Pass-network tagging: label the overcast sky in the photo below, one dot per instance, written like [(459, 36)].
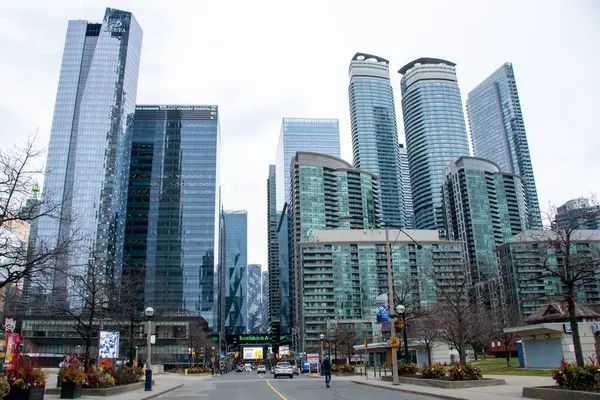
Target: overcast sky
[(260, 61)]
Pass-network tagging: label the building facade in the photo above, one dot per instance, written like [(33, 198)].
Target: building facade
[(319, 135), (90, 144), (172, 232), (578, 213), (236, 244), (284, 238), (406, 188), (498, 132), (375, 133), (525, 265), (274, 301), (436, 135), (328, 193), (253, 298), (264, 301), (484, 208), (344, 273)]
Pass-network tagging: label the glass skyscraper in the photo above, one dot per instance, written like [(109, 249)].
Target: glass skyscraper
[(172, 231), (90, 144), (236, 261), (578, 213), (273, 247), (436, 135), (406, 189), (254, 299), (319, 135), (498, 132), (484, 208), (375, 133)]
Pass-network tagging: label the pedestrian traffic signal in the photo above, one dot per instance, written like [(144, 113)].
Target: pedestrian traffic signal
[(236, 354)]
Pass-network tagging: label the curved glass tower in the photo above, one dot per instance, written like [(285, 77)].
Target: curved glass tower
[(375, 133), (436, 135)]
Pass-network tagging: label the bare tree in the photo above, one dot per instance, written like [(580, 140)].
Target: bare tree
[(200, 341), (20, 208), (426, 330), (128, 306), (333, 340), (346, 340), (567, 256)]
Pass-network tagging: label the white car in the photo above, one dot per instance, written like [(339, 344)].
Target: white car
[(261, 369), (283, 369), (295, 370)]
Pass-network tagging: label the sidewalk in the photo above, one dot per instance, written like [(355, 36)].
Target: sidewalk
[(164, 383), (512, 390)]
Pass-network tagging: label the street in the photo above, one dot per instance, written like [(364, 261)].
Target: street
[(252, 386)]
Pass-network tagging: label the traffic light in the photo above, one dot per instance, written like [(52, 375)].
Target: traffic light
[(236, 355)]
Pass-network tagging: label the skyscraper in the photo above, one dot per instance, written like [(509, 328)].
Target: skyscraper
[(273, 300), (484, 208), (578, 213), (236, 227), (90, 143), (375, 133), (498, 132), (328, 193), (264, 302), (319, 135), (436, 135), (406, 189), (172, 231), (253, 298)]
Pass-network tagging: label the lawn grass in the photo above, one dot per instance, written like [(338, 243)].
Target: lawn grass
[(497, 366)]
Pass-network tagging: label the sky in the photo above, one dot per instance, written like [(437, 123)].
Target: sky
[(260, 61)]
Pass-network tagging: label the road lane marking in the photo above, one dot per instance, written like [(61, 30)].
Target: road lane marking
[(275, 390)]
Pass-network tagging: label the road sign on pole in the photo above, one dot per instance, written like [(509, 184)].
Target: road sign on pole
[(394, 342)]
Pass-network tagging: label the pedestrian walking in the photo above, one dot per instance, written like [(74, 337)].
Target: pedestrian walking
[(326, 369)]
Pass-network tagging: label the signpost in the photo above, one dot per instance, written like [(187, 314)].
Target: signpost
[(394, 342)]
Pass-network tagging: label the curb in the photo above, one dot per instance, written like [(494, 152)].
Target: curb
[(163, 392), (439, 396)]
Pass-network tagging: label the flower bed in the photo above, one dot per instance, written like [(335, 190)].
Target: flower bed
[(199, 370), (343, 369), (464, 372), (408, 368), (435, 371), (445, 383), (570, 376)]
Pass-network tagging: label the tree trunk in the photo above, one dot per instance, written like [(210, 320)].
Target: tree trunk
[(428, 347), (131, 340), (461, 351), (575, 329), (507, 354)]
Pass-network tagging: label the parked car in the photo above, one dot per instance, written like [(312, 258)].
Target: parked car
[(295, 370), (261, 369), (239, 368), (283, 369)]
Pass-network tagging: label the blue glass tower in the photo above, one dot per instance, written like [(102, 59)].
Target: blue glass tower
[(319, 135), (498, 132), (236, 260), (90, 143), (436, 135), (172, 231), (375, 133)]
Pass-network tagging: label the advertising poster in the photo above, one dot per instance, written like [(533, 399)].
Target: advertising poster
[(109, 345), (12, 340), (253, 353), (283, 350)]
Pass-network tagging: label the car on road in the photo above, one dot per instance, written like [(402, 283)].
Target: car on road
[(261, 369), (283, 369), (295, 370), (239, 368), (248, 367)]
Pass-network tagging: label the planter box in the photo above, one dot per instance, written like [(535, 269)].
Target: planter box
[(554, 393), (33, 393), (343, 373), (70, 390), (439, 383), (104, 392)]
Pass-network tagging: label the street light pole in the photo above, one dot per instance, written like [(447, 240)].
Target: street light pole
[(391, 308), (149, 311), (402, 312)]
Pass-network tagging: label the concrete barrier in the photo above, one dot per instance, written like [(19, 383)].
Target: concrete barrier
[(554, 393), (444, 384)]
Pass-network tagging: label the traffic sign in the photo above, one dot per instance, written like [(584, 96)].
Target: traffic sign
[(394, 341)]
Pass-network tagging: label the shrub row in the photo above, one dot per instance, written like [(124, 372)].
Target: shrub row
[(456, 372), (198, 370), (343, 368), (572, 377)]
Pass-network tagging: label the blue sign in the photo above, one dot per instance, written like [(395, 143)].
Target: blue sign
[(383, 316)]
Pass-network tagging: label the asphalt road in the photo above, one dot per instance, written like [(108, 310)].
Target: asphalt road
[(251, 386)]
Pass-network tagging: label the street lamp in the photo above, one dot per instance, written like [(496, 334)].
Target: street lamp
[(78, 351), (212, 360), (401, 311), (322, 338), (136, 354), (149, 312)]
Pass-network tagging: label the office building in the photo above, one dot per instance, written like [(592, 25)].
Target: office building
[(434, 126), (319, 135), (236, 244), (344, 272), (264, 301), (253, 298), (284, 238), (525, 263), (90, 144), (172, 233), (484, 208), (498, 132), (578, 213), (274, 302), (375, 133), (328, 193)]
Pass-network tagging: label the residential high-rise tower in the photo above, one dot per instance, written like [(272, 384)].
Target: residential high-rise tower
[(273, 248), (436, 135), (498, 132), (236, 244), (375, 133), (90, 144)]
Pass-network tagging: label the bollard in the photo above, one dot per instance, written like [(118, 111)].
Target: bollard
[(148, 383), (185, 372)]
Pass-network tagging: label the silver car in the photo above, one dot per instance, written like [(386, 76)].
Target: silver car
[(283, 369)]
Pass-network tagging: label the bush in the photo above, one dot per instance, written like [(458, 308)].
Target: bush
[(97, 378), (572, 377), (435, 371), (409, 368), (464, 372), (73, 372), (347, 368), (198, 370)]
